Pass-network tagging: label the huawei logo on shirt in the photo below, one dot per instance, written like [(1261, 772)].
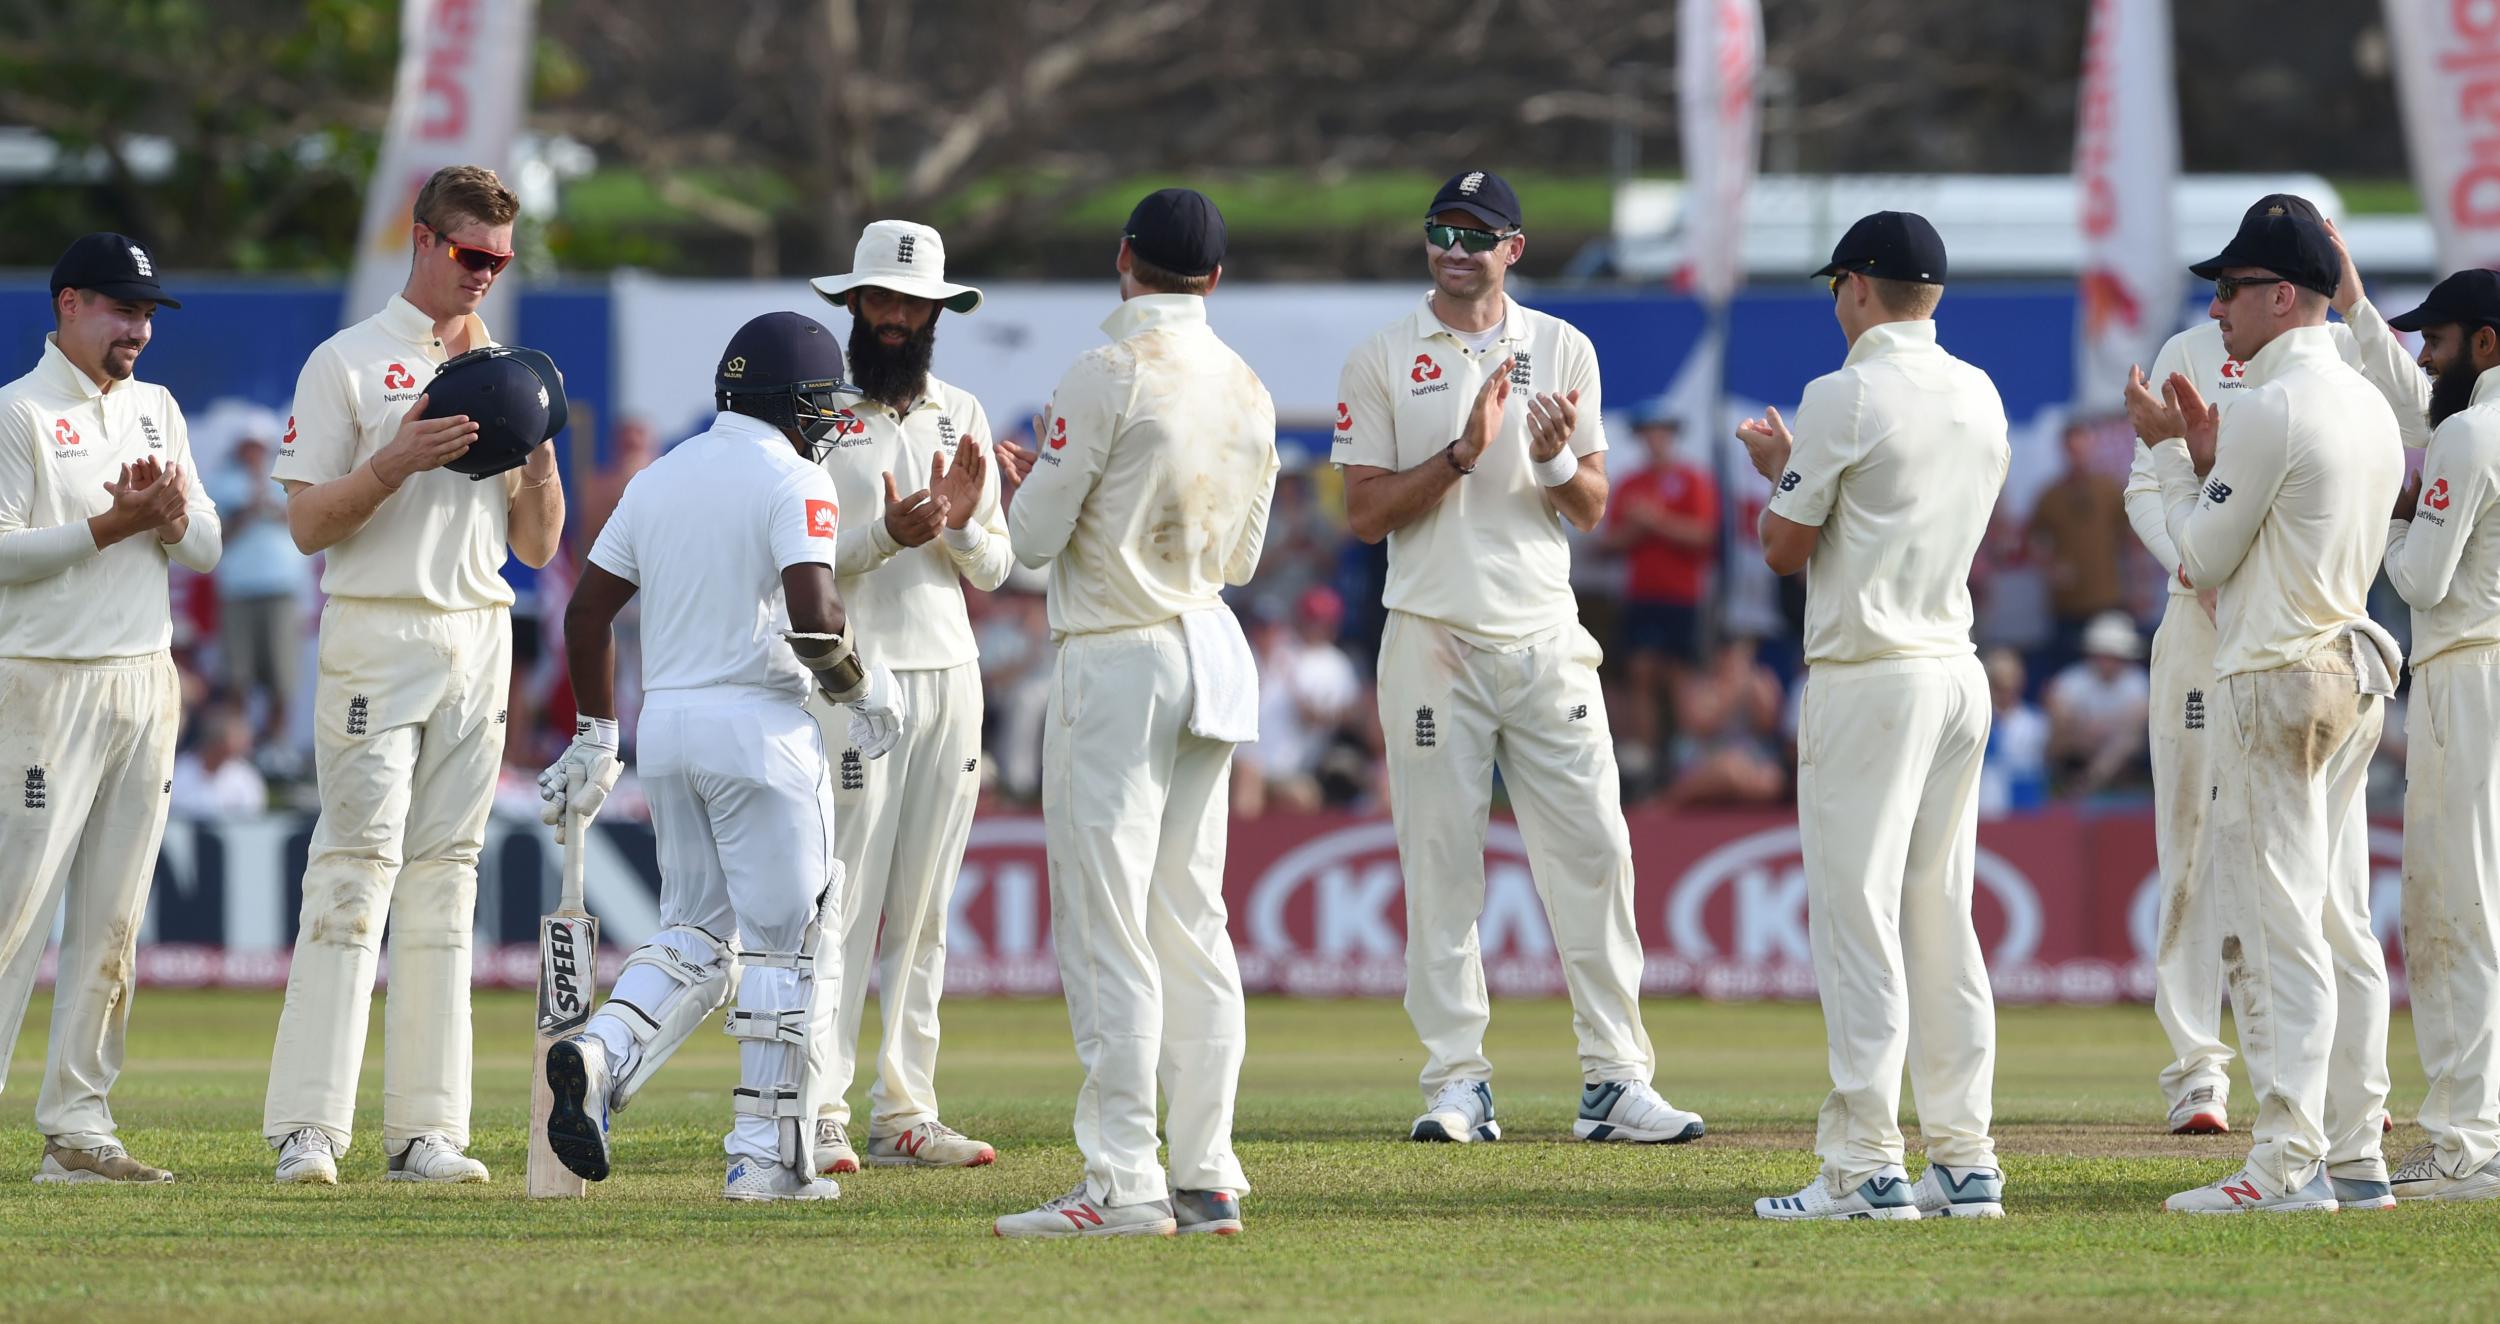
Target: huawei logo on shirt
[(822, 519)]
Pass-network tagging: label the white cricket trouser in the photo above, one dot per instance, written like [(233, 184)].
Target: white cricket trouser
[(900, 826), (2187, 957), (2286, 860), (87, 749), (2452, 900), (743, 817), (1135, 809), (1451, 714), (1888, 762), (408, 735)]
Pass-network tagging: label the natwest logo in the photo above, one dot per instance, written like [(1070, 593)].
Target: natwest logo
[(63, 433), (398, 378), (2231, 369), (1345, 418), (1425, 370), (2437, 497), (1058, 434)]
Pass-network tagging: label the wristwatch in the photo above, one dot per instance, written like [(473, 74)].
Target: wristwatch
[(1450, 453)]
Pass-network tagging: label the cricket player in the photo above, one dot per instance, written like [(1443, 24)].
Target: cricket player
[(1882, 495), (415, 662), (730, 538), (1469, 433), (2288, 529), (2187, 964), (2443, 556), (1149, 494), (902, 821), (97, 493)]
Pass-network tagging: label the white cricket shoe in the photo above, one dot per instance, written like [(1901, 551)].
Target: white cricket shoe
[(108, 1163), (753, 1179), (577, 1110), (2200, 1112), (931, 1144), (1885, 1195), (431, 1158), (2419, 1177), (1078, 1214), (1633, 1112), (1215, 1213), (307, 1158), (1462, 1113), (1944, 1192), (2242, 1193), (2353, 1193), (833, 1147)]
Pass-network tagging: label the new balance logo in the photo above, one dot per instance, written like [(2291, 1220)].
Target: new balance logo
[(910, 1141), (972, 765), (1426, 734), (1788, 481), (2243, 1192), (2196, 710), (2217, 491), (1082, 1215), (359, 710), (854, 774), (1578, 712), (34, 788)]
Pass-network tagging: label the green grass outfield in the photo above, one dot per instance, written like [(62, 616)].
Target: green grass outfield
[(1347, 1221)]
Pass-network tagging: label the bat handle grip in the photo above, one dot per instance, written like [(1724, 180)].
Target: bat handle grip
[(574, 867)]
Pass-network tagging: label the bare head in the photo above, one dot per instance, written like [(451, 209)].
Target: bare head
[(461, 240)]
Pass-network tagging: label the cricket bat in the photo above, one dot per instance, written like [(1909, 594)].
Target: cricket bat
[(568, 971)]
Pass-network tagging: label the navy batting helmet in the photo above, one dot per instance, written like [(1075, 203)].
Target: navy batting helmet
[(514, 395), (786, 369)]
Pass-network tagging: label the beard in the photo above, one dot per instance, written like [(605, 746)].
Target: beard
[(2452, 389), (891, 375)]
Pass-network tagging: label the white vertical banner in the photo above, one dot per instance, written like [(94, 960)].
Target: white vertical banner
[(2448, 85), (1718, 78), (463, 85), (2126, 171)]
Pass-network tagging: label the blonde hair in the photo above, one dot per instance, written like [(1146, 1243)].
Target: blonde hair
[(1907, 298), (461, 193)]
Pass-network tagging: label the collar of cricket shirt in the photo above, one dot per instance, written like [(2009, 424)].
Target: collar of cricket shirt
[(64, 376), (409, 323), (728, 424), (2486, 386), (1429, 324), (1148, 312), (2293, 346), (1892, 338)]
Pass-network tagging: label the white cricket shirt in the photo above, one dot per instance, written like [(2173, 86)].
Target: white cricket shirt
[(1899, 457), (906, 604), (1149, 492), (2291, 523), (442, 537), (1490, 562), (2364, 340), (2445, 561), (62, 438), (705, 533)]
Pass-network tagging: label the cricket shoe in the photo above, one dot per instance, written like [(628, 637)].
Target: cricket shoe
[(1216, 1213), (1078, 1214), (431, 1158), (2361, 1193), (931, 1144), (2241, 1193), (108, 1163), (1632, 1112), (756, 1180), (307, 1158), (1944, 1192), (2419, 1178), (833, 1147), (1884, 1195), (2200, 1112), (1462, 1113), (577, 1133)]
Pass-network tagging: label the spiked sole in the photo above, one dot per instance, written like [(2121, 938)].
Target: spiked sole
[(577, 1139), (1588, 1129)]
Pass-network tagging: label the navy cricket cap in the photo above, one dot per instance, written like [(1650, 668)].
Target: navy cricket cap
[(779, 351), (2283, 204), (1482, 194), (1177, 229), (1894, 245), (2469, 298), (113, 265), (2292, 247)]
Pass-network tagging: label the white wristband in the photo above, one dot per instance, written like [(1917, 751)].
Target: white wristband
[(965, 539), (1559, 470), (600, 731)]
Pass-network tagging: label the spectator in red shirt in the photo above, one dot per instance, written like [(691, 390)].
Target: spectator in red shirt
[(1664, 521)]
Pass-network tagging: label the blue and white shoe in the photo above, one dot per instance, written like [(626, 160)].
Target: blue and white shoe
[(2241, 1193), (1884, 1195), (2361, 1193), (1632, 1112), (1462, 1113), (577, 1133), (1944, 1192)]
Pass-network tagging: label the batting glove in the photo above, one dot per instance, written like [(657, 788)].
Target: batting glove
[(877, 717), (575, 785)]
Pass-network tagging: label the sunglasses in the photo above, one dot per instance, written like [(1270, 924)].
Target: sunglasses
[(2227, 288), (485, 261), (1460, 236)]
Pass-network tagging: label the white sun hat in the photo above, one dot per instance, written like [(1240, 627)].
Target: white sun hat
[(2111, 634), (905, 257)]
